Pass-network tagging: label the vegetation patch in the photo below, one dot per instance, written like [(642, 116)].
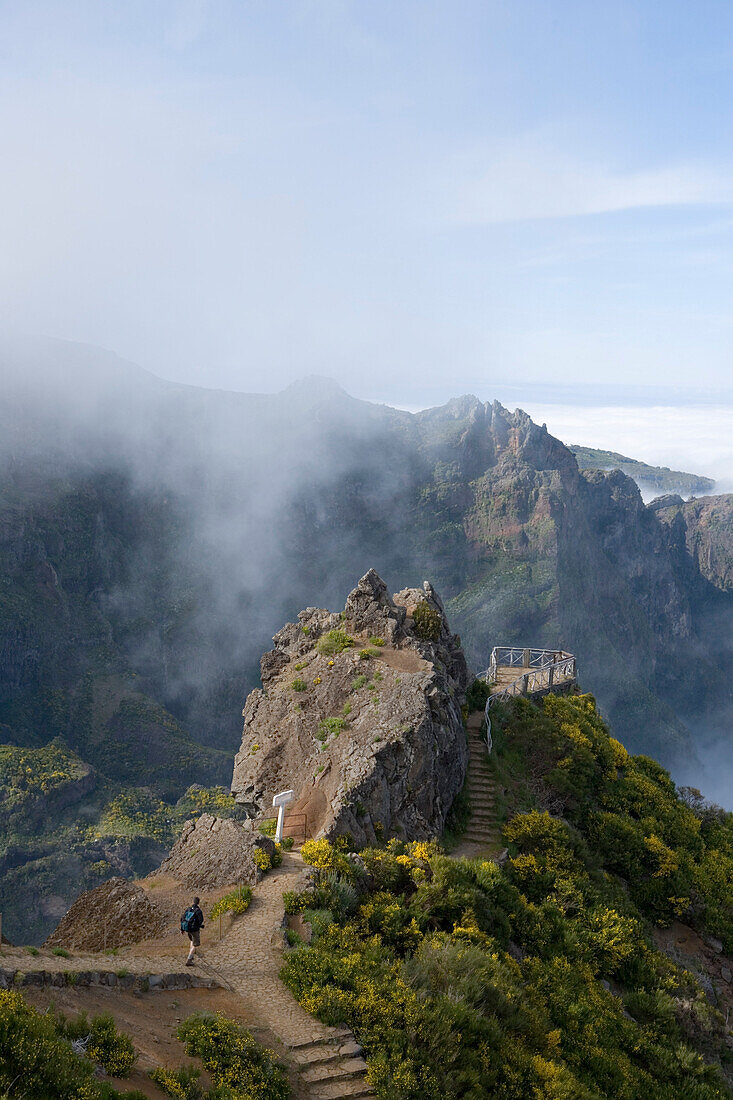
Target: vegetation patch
[(427, 622), (238, 901), (536, 979), (333, 642), (38, 1062), (477, 695), (262, 860), (299, 685), (240, 1069), (330, 727)]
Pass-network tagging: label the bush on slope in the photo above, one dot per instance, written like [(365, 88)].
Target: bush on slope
[(463, 979)]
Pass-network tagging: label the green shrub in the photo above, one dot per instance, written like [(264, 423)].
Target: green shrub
[(61, 952), (106, 1046), (268, 826), (335, 641), (232, 1058), (181, 1083), (330, 727), (319, 920), (111, 1048), (287, 843), (299, 685), (277, 856), (477, 695), (35, 1061), (294, 902), (427, 622), (358, 682), (236, 902), (379, 642)]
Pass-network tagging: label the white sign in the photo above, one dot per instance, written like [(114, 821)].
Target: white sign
[(283, 799)]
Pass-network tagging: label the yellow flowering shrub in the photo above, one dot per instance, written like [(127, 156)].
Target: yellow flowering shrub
[(465, 980), (666, 860), (322, 854), (620, 755), (236, 902), (261, 859), (236, 1063)]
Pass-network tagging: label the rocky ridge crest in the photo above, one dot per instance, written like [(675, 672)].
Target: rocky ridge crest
[(360, 714)]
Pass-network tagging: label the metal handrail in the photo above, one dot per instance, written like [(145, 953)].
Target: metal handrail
[(545, 670)]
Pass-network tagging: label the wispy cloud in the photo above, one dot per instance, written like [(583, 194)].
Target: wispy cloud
[(529, 180)]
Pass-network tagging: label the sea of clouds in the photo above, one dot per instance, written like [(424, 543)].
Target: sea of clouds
[(694, 438)]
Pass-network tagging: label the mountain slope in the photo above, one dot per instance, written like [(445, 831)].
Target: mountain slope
[(154, 536)]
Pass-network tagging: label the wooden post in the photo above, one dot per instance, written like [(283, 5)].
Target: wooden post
[(526, 658), (525, 684), (550, 675)]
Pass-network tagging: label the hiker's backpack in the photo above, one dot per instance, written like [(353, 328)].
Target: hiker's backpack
[(189, 921)]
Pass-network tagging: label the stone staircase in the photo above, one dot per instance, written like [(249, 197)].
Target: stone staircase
[(484, 829), (332, 1068)]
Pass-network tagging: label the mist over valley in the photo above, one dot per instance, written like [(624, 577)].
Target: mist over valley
[(154, 537)]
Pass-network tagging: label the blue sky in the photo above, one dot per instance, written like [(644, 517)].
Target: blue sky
[(417, 198)]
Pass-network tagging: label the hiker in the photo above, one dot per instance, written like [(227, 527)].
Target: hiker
[(192, 922)]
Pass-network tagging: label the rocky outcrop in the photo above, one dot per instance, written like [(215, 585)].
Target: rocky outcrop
[(213, 852), (360, 714), (114, 914), (706, 528)]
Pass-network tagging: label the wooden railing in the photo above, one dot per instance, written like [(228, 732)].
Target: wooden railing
[(539, 671)]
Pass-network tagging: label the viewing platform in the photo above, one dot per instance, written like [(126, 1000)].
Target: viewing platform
[(529, 672)]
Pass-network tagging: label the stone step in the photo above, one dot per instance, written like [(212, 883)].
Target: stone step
[(339, 1090), (334, 1071), (339, 1035), (320, 1055)]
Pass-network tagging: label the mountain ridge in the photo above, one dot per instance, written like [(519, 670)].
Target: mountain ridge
[(164, 546)]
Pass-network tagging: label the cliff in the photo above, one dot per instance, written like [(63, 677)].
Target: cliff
[(706, 526), (360, 715)]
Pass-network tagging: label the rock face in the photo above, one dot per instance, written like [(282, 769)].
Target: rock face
[(114, 914), (705, 528), (213, 852), (360, 714)]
